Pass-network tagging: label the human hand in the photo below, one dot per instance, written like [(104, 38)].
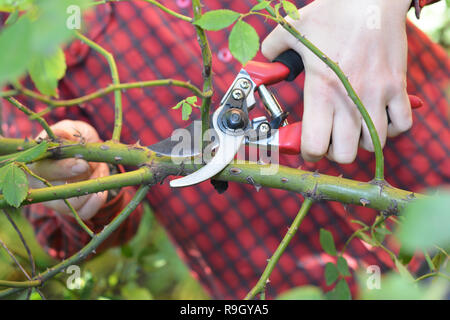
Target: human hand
[(59, 172), (367, 38)]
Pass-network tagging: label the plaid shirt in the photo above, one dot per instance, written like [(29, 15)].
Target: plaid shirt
[(226, 239)]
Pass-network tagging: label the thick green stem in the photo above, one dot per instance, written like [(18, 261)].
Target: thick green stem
[(19, 284), (115, 79), (263, 280)]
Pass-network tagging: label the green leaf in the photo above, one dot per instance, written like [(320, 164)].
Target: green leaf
[(243, 42), (217, 19), (51, 29), (426, 224), (302, 293), (331, 273), (260, 6), (327, 242), (178, 106), (47, 71), (191, 100), (290, 9), (186, 111), (32, 153), (12, 18), (340, 292), (343, 266), (14, 184), (16, 39), (37, 33)]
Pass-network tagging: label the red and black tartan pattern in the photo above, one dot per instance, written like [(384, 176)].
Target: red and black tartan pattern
[(226, 239)]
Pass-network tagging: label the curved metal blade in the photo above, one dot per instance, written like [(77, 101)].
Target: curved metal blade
[(166, 146), (228, 147)]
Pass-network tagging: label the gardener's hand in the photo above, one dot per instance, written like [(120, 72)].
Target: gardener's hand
[(59, 172), (368, 40)]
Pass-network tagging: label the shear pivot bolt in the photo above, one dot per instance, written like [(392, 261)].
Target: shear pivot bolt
[(235, 119), (237, 94)]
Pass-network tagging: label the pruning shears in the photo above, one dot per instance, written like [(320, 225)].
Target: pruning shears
[(232, 125)]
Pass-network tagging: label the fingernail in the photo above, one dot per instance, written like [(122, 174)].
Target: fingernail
[(80, 167)]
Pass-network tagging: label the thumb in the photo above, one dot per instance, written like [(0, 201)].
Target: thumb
[(275, 43), (74, 130)]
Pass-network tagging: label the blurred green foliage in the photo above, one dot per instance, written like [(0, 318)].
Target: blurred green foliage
[(147, 267)]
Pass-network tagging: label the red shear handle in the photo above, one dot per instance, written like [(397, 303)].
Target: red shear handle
[(266, 72), (290, 138), (287, 66)]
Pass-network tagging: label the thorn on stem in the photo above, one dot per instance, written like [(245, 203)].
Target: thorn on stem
[(253, 183), (364, 202)]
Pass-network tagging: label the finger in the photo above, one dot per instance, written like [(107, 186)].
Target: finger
[(73, 130), (317, 119), (83, 203), (345, 135), (275, 43), (400, 114), (66, 169), (377, 110), (87, 208), (92, 205)]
